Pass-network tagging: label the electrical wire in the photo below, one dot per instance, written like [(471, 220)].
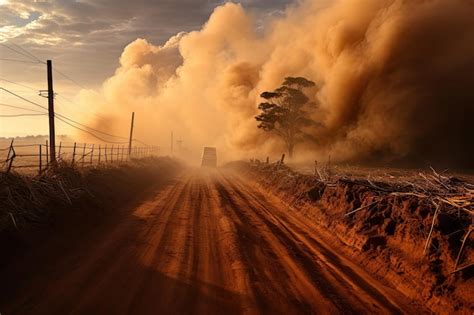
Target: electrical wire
[(65, 119), (20, 53), (19, 107), (91, 133), (18, 60), (20, 84), (58, 115), (22, 115), (28, 52), (70, 79), (141, 142), (21, 97), (85, 126), (74, 103)]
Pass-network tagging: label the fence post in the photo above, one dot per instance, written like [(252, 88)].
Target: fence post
[(74, 153), (10, 159), (59, 150), (112, 154), (105, 153), (282, 161), (40, 159), (47, 154), (100, 153), (92, 154), (121, 158), (315, 167), (83, 154)]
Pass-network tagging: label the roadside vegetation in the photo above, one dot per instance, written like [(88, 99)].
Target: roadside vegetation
[(29, 200)]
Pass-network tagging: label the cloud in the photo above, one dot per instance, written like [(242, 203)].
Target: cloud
[(394, 80)]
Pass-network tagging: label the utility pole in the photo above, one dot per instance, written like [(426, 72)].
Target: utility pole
[(52, 134), (131, 137), (179, 142), (171, 143)]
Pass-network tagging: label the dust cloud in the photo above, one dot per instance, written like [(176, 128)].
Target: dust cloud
[(395, 81)]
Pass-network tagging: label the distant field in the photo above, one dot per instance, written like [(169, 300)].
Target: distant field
[(385, 174)]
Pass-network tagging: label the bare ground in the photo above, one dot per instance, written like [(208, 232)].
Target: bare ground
[(199, 242)]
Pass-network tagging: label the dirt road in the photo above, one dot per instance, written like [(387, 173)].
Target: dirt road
[(203, 243)]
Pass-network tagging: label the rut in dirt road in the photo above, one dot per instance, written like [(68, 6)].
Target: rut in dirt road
[(207, 242)]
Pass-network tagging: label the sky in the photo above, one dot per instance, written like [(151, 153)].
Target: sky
[(85, 40), (392, 77)]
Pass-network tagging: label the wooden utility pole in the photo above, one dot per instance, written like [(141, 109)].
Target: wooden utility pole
[(171, 142), (131, 136), (179, 142), (52, 134)]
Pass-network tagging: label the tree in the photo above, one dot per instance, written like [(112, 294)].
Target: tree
[(284, 111)]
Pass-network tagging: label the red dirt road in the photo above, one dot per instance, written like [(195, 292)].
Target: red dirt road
[(203, 243)]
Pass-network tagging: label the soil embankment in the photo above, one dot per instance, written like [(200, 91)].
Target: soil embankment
[(386, 232)]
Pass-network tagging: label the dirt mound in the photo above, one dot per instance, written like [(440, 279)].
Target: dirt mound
[(415, 235)]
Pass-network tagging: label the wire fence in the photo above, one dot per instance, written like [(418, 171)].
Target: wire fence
[(33, 158)]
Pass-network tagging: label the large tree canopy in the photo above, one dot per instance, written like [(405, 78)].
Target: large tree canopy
[(285, 111)]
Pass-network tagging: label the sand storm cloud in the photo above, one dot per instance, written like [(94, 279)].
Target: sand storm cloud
[(394, 80)]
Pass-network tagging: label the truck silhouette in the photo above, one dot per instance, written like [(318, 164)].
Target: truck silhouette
[(209, 157)]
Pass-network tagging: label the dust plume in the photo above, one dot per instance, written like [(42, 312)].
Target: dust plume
[(395, 81)]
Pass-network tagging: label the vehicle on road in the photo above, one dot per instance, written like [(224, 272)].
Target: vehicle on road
[(209, 157)]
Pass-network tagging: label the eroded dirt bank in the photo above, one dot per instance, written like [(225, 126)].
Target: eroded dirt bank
[(384, 232), (200, 242)]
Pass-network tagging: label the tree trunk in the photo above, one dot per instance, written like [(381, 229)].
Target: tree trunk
[(290, 150)]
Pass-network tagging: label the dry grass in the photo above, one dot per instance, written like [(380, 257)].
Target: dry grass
[(29, 199), (447, 194)]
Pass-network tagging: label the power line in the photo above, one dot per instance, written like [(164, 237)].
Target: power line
[(70, 79), (19, 107), (104, 133), (74, 103), (22, 115), (25, 99), (18, 60), (20, 84), (58, 115), (21, 53), (140, 142), (64, 118), (91, 133), (28, 52)]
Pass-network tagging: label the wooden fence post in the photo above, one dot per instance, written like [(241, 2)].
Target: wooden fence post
[(315, 167), (47, 154), (100, 153), (59, 150), (83, 154), (73, 154), (92, 154), (12, 157), (282, 161), (105, 154), (40, 159)]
